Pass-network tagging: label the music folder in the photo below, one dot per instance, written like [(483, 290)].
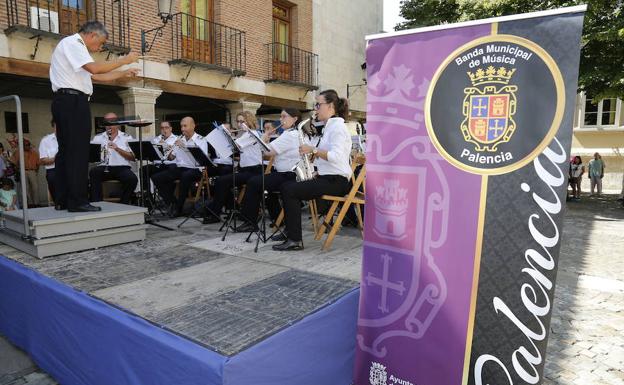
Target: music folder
[(148, 150), (95, 153), (200, 158)]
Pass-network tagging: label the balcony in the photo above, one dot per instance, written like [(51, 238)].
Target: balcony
[(56, 18), (292, 66), (201, 43)]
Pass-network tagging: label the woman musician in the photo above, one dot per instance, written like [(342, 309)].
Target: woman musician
[(285, 150), (250, 164), (331, 157)]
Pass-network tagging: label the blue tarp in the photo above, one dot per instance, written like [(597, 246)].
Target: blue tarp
[(81, 340)]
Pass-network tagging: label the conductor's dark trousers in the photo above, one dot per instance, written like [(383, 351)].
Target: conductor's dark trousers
[(73, 130)]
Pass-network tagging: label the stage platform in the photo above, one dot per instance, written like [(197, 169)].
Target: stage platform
[(183, 307), (54, 232)]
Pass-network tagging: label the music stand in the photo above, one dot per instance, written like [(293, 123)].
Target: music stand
[(236, 150), (95, 153), (261, 230), (206, 163), (147, 152), (137, 122)]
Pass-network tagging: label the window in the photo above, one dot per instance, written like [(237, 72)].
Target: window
[(10, 122), (281, 32), (602, 113)]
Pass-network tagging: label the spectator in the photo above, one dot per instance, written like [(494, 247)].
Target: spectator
[(8, 195), (3, 164), (32, 167), (576, 175), (595, 171)]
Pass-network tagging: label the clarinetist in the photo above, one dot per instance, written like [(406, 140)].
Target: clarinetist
[(117, 165)]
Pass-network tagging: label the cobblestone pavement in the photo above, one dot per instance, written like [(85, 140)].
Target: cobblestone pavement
[(586, 345)]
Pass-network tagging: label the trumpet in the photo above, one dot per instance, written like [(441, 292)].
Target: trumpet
[(303, 169), (168, 148)]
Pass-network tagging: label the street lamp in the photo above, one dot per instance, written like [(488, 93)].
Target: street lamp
[(164, 12)]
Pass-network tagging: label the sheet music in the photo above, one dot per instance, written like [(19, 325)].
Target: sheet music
[(246, 140), (219, 142), (257, 138)]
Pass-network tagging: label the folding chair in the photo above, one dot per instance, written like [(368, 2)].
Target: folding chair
[(354, 197)]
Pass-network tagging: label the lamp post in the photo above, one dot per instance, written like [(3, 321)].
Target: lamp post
[(164, 12)]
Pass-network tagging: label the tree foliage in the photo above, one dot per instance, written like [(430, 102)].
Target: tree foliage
[(602, 45)]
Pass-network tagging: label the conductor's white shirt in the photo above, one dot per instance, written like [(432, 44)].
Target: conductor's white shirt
[(66, 70), (121, 140), (48, 148)]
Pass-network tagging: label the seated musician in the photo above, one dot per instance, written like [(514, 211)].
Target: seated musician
[(285, 150), (186, 169), (250, 164), (166, 139), (116, 163), (331, 158)]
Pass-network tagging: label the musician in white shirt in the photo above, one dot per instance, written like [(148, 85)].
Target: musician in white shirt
[(166, 139), (285, 153), (48, 147), (186, 169), (116, 164), (250, 163), (332, 160)]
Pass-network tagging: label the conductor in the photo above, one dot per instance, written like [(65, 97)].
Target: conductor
[(71, 71)]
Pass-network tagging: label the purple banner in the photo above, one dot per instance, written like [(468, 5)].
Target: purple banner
[(448, 120)]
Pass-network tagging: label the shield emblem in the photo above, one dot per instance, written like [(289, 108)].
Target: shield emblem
[(488, 116)]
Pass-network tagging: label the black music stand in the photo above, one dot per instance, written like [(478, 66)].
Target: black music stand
[(95, 153), (139, 123), (202, 161), (260, 231), (236, 151), (146, 151)]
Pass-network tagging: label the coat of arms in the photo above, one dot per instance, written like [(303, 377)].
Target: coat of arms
[(489, 106)]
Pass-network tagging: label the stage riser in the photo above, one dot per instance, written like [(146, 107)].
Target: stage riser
[(48, 247), (54, 232), (43, 229)]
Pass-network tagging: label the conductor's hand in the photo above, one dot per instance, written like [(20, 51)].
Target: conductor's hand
[(131, 72), (131, 57)]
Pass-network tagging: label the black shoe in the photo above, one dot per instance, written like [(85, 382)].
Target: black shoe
[(289, 245), (84, 209), (211, 219), (246, 228), (60, 207), (279, 237)]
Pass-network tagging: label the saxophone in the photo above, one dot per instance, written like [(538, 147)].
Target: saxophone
[(303, 169)]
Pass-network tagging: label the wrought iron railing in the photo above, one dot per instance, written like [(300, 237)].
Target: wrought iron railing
[(292, 65), (64, 17), (200, 41)]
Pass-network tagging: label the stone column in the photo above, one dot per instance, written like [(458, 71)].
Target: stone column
[(141, 102), (241, 105)]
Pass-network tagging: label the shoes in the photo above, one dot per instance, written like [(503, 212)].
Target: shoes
[(84, 209), (246, 228), (211, 219), (289, 245), (60, 207), (279, 237)]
